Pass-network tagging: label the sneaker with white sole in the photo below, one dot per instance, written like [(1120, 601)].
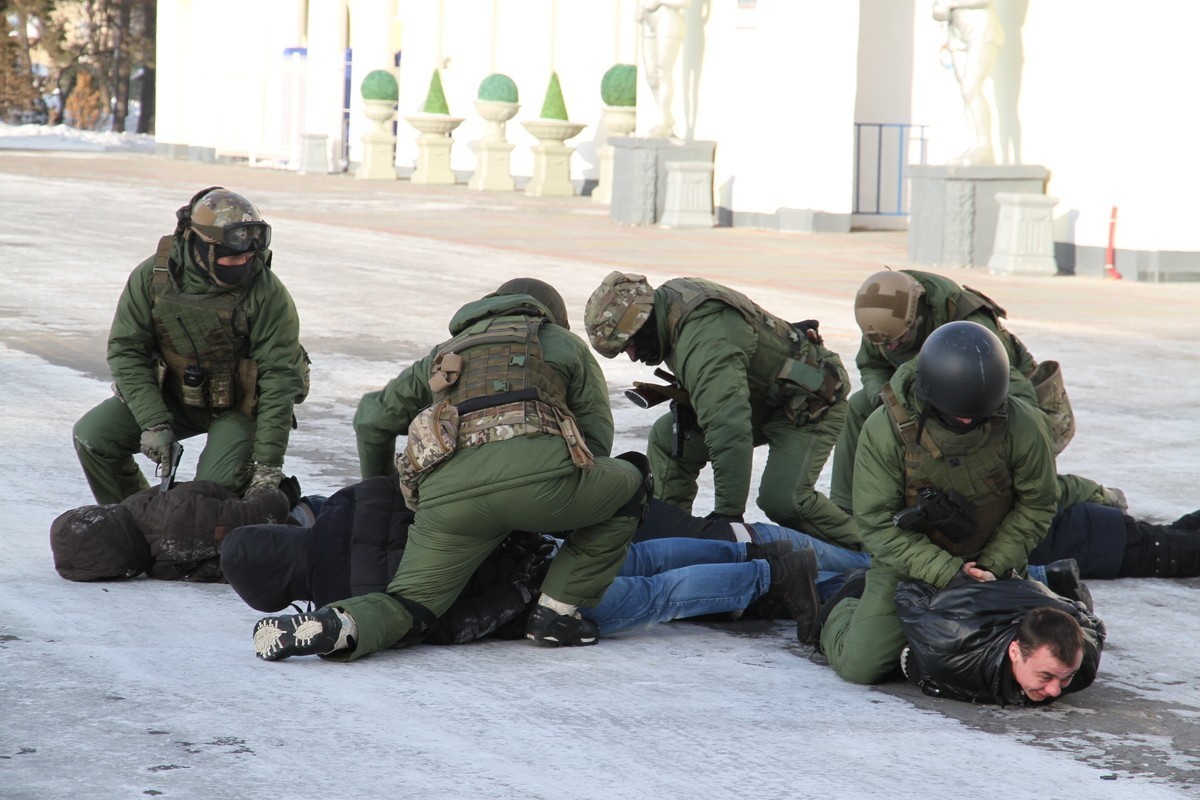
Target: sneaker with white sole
[(277, 638), (546, 626)]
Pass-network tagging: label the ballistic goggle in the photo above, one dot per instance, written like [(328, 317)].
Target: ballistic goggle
[(238, 237)]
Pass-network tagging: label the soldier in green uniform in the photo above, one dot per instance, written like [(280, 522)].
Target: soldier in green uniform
[(205, 340), (509, 428), (751, 378), (954, 481), (897, 310)]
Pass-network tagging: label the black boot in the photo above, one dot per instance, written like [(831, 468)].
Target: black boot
[(1063, 579), (1159, 551), (794, 586), (853, 586), (779, 547)]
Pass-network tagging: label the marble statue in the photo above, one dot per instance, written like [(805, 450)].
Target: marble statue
[(663, 27), (973, 39)]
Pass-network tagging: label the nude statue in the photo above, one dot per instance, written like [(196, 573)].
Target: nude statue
[(973, 38), (663, 28)]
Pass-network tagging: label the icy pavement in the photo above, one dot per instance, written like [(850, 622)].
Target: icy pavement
[(144, 688)]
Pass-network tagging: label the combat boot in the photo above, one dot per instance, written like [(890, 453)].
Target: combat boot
[(779, 547), (854, 585), (323, 631), (556, 624), (794, 586), (1062, 577)]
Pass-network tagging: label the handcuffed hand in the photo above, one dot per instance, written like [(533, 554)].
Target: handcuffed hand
[(264, 478), (156, 442)]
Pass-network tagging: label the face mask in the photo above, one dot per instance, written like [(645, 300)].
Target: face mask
[(232, 276)]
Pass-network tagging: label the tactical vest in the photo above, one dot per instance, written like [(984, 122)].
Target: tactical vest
[(209, 331), (496, 375), (983, 476), (786, 368)]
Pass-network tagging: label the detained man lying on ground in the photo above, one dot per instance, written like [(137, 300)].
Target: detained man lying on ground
[(359, 537), (1102, 538), (1009, 642)]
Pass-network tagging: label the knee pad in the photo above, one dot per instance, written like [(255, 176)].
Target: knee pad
[(639, 503)]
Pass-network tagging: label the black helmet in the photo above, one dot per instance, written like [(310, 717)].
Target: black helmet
[(963, 371), (541, 291)]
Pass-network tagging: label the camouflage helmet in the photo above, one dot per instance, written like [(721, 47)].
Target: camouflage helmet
[(616, 311), (229, 221), (541, 291), (886, 306)]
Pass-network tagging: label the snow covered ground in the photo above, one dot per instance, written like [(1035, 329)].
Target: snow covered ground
[(144, 688)]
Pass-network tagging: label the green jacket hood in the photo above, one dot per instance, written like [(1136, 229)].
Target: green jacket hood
[(488, 307)]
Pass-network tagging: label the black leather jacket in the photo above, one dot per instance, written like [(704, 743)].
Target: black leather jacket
[(958, 638)]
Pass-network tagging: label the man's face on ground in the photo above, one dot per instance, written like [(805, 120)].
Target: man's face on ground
[(1041, 675)]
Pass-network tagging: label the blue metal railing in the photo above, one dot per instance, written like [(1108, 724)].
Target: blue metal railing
[(880, 171)]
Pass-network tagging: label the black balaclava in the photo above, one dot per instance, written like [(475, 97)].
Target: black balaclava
[(648, 347)]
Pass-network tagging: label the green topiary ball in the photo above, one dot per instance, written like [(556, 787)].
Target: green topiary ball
[(618, 87), (435, 101), (499, 88), (380, 85), (554, 106)]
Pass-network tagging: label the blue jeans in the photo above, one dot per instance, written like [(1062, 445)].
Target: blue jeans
[(832, 561), (665, 579)]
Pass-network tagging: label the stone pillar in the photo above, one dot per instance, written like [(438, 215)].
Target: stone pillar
[(492, 171), (379, 145), (433, 148), (639, 191), (617, 121), (314, 154), (1024, 235), (551, 170), (689, 201), (953, 210)]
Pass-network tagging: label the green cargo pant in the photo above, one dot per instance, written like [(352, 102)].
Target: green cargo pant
[(863, 637), (796, 454), (448, 542), (841, 489), (107, 437)]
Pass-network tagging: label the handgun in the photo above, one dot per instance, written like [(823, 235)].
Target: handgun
[(169, 466)]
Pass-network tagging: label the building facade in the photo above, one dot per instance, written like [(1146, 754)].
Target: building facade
[(817, 109)]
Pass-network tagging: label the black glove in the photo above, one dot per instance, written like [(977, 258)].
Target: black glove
[(530, 554), (290, 486), (713, 516), (809, 327)]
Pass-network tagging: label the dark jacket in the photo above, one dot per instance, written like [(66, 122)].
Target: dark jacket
[(958, 638), (354, 549), (171, 536)]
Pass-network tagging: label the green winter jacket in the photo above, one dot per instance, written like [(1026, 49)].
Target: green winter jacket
[(711, 359), (876, 365), (274, 344), (386, 414), (879, 491)]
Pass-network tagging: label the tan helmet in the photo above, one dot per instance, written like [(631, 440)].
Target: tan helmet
[(886, 306), (227, 220), (616, 311)]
